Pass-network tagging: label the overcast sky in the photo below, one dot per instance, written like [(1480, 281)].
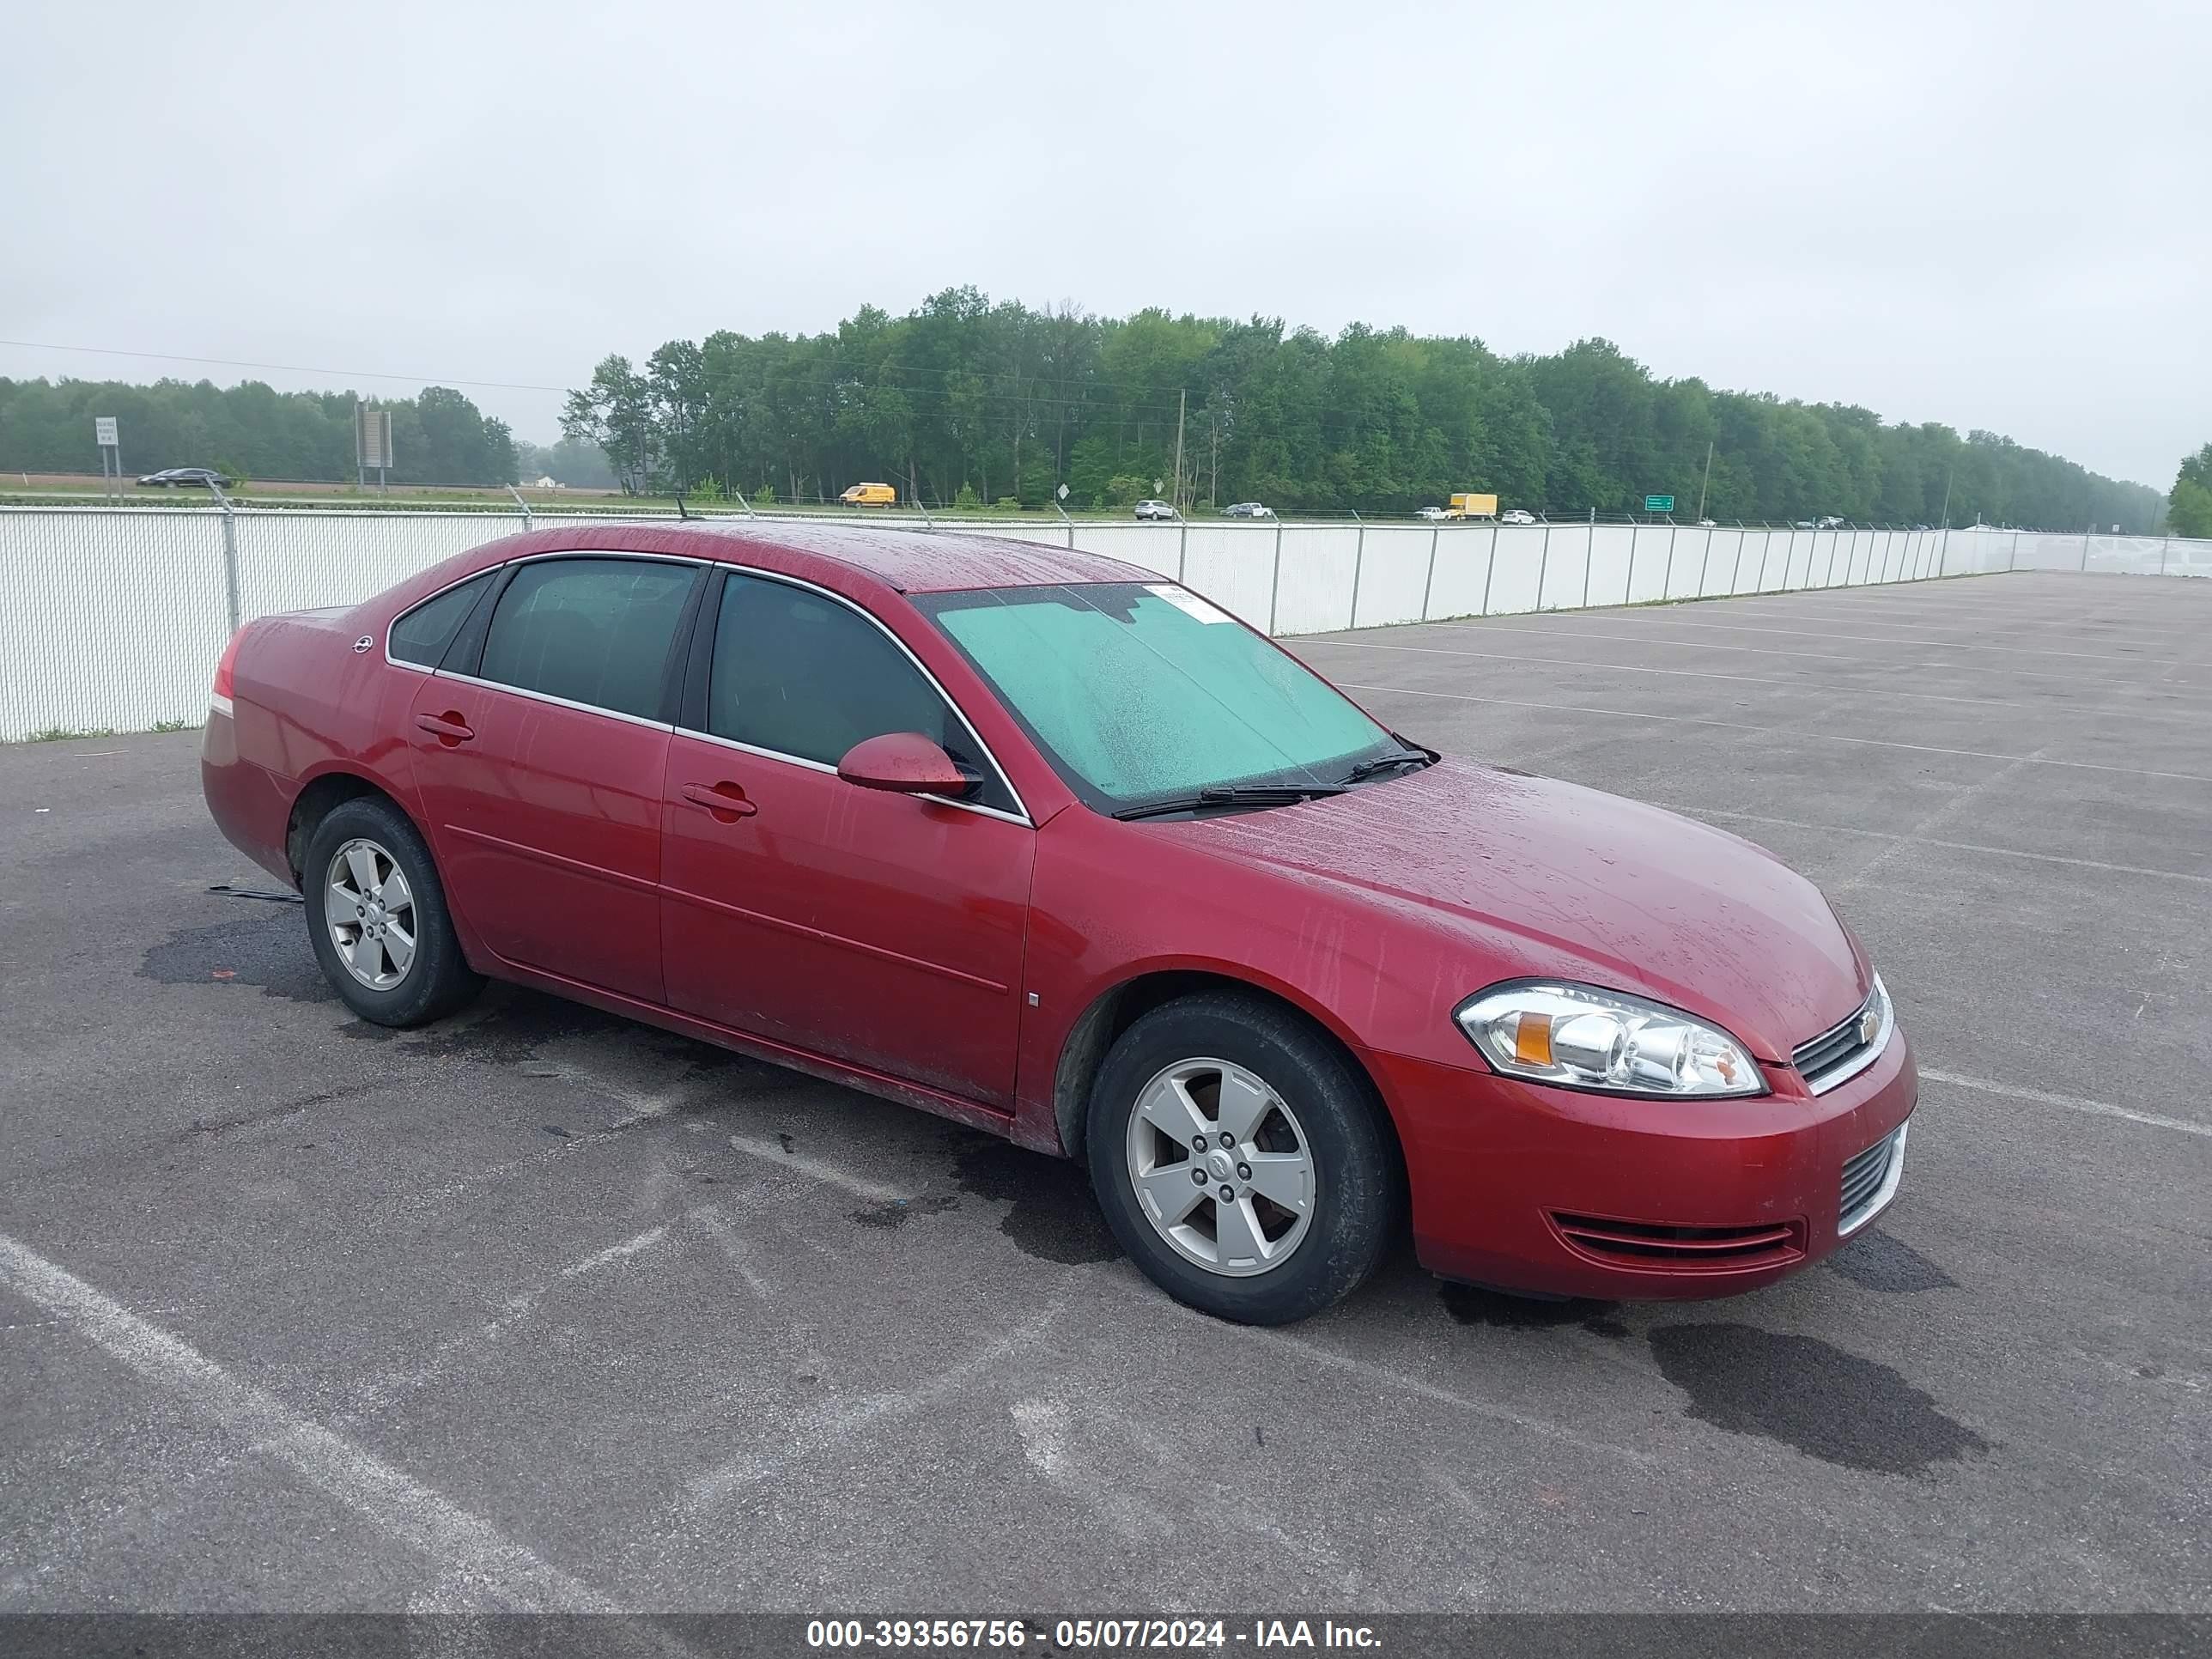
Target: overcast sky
[(1990, 215)]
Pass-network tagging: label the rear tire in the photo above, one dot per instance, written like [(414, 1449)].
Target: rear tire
[(1300, 1203), (377, 916)]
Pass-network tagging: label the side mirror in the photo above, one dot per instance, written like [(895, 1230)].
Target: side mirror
[(905, 763)]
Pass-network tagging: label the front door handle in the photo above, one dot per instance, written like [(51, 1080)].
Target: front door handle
[(725, 800), (449, 728)]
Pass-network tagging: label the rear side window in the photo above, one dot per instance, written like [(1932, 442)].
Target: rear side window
[(797, 674), (423, 635), (594, 631)]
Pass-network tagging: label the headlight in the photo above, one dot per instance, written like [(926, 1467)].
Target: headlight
[(1580, 1038)]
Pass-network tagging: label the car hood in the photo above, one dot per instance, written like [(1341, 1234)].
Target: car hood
[(1540, 878)]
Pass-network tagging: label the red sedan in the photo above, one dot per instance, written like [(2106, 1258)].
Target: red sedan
[(1041, 843)]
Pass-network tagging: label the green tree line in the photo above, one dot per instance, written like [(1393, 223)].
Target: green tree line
[(249, 430), (2189, 506), (965, 400)]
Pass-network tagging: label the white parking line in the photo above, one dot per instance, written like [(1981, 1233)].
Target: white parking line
[(644, 1240), (1507, 625), (841, 1420), (1823, 687), (815, 1170), (1779, 732), (1883, 639), (2071, 1102), (1931, 841), (389, 1498)]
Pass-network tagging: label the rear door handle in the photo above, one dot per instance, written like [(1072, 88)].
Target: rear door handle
[(725, 800), (449, 728)]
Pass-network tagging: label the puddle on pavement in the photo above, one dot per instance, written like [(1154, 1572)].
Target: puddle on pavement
[(1803, 1392), (266, 948), (1051, 1213)]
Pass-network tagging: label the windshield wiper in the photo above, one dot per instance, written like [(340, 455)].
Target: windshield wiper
[(1254, 794), (1368, 768)]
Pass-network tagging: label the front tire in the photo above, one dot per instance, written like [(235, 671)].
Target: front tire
[(1242, 1159), (377, 917)]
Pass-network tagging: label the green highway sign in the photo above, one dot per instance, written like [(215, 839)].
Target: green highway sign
[(1658, 503)]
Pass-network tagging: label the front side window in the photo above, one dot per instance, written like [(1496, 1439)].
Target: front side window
[(594, 631), (421, 635), (795, 673), (1141, 692)]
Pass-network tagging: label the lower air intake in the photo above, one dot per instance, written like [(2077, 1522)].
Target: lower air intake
[(1683, 1249)]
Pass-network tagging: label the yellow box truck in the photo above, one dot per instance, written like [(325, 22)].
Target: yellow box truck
[(1472, 506), (869, 495)]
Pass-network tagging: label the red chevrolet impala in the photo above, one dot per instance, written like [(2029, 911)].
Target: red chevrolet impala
[(1041, 843)]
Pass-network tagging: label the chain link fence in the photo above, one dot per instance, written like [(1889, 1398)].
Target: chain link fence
[(115, 616)]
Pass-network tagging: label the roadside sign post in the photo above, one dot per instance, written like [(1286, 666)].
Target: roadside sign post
[(111, 455), (1658, 503), (371, 445)]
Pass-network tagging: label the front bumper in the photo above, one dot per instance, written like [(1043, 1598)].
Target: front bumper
[(1528, 1188)]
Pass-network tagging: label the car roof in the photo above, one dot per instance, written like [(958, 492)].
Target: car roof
[(909, 561)]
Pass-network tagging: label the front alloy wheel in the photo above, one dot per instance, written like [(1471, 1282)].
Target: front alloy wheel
[(1243, 1157), (1221, 1169)]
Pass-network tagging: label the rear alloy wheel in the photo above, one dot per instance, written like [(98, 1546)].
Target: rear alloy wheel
[(376, 915), (1242, 1159), (369, 910)]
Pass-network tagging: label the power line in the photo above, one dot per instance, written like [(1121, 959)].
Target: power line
[(283, 369), (858, 373)]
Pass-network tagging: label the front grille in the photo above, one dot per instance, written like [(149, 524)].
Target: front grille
[(1869, 1178), (1707, 1249), (1840, 1052)]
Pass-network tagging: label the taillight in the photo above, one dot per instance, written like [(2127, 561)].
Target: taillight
[(226, 668)]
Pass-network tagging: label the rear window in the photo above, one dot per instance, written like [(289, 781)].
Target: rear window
[(421, 635), (595, 631)]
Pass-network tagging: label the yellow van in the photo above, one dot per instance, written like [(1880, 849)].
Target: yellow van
[(869, 495)]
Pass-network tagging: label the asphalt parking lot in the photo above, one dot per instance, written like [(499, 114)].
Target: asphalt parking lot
[(536, 1308)]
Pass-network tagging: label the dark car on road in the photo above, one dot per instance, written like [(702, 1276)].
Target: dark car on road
[(1043, 843), (200, 477)]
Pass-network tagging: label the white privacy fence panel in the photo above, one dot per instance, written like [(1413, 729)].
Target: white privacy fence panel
[(112, 617)]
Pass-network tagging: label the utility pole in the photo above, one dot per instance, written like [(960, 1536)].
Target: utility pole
[(1182, 394), (1948, 476), (1708, 483), (1213, 482)]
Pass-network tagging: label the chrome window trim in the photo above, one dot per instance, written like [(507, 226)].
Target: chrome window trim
[(921, 667), (1837, 1076), (804, 764), (1892, 1178), (1021, 817), (492, 569), (548, 697)]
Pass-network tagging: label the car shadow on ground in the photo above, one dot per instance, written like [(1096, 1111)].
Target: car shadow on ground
[(1734, 1374)]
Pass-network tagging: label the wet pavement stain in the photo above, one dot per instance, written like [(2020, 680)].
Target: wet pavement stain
[(899, 1211), (1052, 1214), (1888, 1265), (506, 1028), (1470, 1304), (268, 949), (277, 1113), (1812, 1396)]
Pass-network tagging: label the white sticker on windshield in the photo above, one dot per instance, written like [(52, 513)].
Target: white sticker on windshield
[(1188, 602)]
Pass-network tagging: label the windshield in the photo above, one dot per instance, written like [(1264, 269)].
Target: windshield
[(1142, 691)]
